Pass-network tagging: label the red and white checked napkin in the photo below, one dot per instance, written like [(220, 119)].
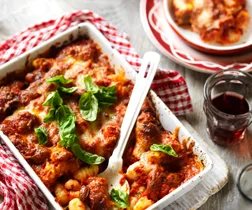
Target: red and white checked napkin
[(18, 189)]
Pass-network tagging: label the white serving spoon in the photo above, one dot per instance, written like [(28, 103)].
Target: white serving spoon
[(113, 173)]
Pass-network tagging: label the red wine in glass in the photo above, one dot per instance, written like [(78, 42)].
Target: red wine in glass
[(228, 132), (227, 105), (231, 103)]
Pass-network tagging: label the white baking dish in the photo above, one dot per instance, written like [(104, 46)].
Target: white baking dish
[(167, 119)]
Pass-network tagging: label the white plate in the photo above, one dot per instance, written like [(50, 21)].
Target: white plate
[(167, 119), (194, 40)]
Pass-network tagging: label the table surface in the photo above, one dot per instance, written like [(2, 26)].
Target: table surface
[(124, 15)]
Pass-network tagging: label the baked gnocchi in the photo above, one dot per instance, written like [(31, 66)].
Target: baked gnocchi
[(64, 116)]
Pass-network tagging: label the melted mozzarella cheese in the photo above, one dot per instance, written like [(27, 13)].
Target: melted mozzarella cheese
[(77, 67), (205, 18), (31, 108)]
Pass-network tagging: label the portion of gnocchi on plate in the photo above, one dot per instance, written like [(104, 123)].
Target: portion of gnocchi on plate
[(216, 21)]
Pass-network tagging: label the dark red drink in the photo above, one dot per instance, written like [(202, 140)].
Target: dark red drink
[(227, 105), (226, 131), (231, 103)]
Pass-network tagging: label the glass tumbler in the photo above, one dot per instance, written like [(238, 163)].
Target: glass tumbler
[(227, 105)]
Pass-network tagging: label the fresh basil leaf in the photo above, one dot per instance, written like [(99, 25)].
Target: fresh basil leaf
[(164, 148), (59, 80), (50, 116), (106, 96), (68, 140), (67, 126), (85, 156), (120, 198), (62, 114), (66, 121), (90, 85), (41, 133), (53, 99), (94, 98), (88, 106), (67, 90)]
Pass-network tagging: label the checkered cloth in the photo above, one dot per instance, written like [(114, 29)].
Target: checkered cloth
[(18, 189)]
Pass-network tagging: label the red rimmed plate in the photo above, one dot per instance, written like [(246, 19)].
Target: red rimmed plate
[(169, 43)]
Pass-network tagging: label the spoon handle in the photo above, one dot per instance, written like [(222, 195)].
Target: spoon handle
[(142, 85)]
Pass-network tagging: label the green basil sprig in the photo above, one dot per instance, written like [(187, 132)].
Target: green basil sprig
[(86, 156), (88, 105), (94, 98), (63, 113), (60, 80), (67, 90), (164, 148), (50, 116), (66, 119), (106, 96), (90, 85), (120, 198), (42, 135), (53, 99)]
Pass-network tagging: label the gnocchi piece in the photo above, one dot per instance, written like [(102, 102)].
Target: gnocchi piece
[(143, 203), (138, 190), (134, 171), (242, 20), (74, 194), (83, 173), (182, 10), (137, 169), (76, 204), (72, 184), (61, 194)]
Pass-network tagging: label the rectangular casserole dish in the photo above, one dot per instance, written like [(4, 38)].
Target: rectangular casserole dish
[(166, 117)]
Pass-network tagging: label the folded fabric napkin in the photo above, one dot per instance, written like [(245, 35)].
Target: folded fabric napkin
[(18, 189)]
